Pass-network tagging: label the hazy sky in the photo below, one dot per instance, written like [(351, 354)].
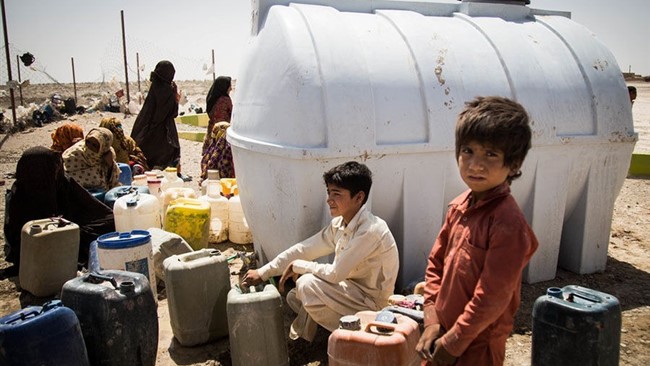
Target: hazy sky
[(187, 31)]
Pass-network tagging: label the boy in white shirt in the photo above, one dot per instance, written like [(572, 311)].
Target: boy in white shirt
[(363, 273)]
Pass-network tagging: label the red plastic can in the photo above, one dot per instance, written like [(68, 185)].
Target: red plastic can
[(376, 343)]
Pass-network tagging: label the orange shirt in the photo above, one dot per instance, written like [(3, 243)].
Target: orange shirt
[(473, 279)]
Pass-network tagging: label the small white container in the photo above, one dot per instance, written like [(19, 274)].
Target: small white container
[(238, 230), (218, 212)]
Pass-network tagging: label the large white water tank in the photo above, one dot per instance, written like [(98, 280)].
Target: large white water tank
[(382, 82)]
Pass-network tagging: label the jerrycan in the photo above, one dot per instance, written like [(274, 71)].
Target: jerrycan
[(126, 176), (256, 326), (367, 338), (172, 194), (116, 192), (48, 255), (118, 317), (218, 212), (189, 218), (238, 230), (136, 211), (575, 325), (228, 186), (197, 285), (46, 336), (128, 251)]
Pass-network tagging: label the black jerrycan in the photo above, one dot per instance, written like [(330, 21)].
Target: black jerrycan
[(576, 326)]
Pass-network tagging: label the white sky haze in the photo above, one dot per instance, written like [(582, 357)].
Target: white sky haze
[(186, 32)]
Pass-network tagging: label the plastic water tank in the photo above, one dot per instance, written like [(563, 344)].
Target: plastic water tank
[(383, 83)]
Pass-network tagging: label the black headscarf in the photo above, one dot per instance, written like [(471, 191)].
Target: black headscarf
[(218, 89), (164, 72), (42, 190)]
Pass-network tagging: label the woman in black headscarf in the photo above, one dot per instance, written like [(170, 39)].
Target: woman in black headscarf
[(42, 190), (218, 106), (154, 129)]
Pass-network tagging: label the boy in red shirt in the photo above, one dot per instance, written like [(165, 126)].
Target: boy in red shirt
[(473, 279)]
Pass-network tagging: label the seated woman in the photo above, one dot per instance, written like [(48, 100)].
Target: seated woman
[(126, 149), (65, 136), (41, 190), (218, 154), (91, 162)]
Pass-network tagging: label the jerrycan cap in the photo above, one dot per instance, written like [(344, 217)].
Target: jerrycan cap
[(350, 322), (117, 240), (132, 201)]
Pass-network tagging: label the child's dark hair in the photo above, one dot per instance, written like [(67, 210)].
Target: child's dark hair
[(353, 176), (498, 122)]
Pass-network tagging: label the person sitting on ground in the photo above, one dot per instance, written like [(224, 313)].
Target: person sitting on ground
[(363, 273), (65, 136), (218, 106), (42, 190), (91, 162), (473, 279), (218, 154), (126, 149)]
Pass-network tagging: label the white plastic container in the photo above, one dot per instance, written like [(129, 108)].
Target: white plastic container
[(383, 83), (238, 230), (170, 179), (48, 255), (139, 180), (136, 211), (218, 212), (197, 285), (128, 251), (213, 175)]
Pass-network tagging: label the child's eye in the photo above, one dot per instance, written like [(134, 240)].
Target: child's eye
[(465, 150)]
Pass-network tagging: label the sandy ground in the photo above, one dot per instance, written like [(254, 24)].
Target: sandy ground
[(627, 275)]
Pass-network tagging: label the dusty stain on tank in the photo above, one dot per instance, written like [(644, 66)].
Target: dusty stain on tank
[(440, 61), (600, 65)]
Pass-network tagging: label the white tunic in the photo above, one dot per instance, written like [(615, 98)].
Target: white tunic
[(361, 277)]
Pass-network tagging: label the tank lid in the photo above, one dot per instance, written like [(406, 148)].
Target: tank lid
[(116, 240)]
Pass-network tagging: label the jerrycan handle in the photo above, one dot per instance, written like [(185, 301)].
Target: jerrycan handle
[(198, 254), (133, 201), (23, 316), (380, 328), (97, 278)]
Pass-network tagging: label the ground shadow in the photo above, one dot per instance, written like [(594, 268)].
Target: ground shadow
[(620, 279)]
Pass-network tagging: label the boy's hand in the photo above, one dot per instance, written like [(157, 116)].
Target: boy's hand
[(441, 356), (425, 344), (288, 273), (251, 278)]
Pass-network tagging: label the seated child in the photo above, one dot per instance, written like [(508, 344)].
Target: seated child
[(473, 279), (363, 273)]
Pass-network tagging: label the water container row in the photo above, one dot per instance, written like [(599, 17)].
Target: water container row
[(203, 307), (199, 220), (107, 319)]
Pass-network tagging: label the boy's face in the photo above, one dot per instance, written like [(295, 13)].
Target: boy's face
[(481, 167), (342, 203)]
